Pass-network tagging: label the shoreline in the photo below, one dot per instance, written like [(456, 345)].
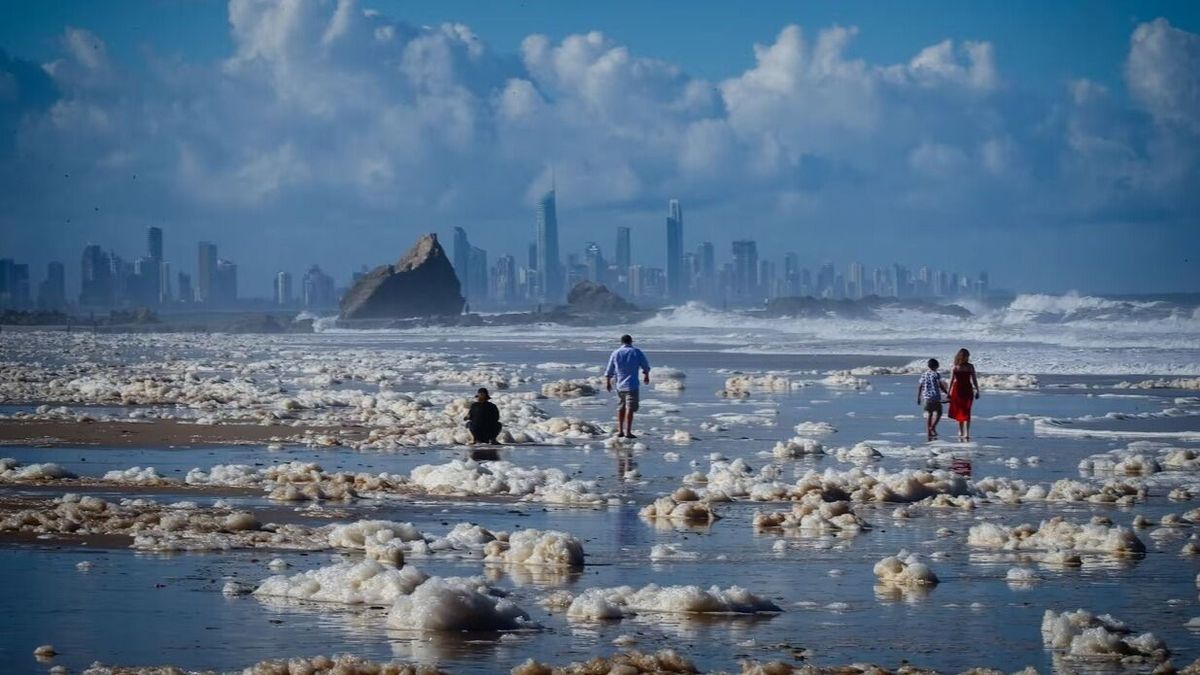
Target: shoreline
[(153, 434)]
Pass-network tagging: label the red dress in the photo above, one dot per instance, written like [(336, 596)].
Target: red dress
[(962, 395)]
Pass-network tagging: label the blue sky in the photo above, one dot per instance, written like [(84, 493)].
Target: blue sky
[(1051, 143)]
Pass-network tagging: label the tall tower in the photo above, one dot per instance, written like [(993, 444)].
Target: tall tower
[(462, 258), (623, 250), (206, 272), (745, 268), (154, 247), (675, 279), (548, 264)]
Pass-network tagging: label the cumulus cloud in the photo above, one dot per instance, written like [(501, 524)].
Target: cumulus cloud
[(325, 115)]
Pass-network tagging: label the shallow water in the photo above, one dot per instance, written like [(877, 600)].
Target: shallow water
[(138, 608)]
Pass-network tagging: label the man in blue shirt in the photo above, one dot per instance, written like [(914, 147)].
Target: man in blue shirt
[(624, 365)]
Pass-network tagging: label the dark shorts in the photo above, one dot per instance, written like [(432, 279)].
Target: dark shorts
[(933, 405), (627, 400)]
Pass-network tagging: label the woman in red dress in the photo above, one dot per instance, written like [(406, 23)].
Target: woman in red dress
[(964, 389)]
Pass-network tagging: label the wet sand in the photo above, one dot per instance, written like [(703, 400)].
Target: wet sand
[(156, 434)]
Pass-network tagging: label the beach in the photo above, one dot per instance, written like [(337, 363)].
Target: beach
[(211, 501)]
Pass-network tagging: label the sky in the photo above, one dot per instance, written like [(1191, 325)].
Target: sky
[(1056, 145)]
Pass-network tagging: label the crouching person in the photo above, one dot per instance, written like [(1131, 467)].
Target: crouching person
[(483, 419)]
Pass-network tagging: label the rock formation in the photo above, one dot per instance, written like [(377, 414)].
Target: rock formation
[(588, 297), (422, 283)]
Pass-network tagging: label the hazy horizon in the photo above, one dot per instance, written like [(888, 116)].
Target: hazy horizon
[(1058, 149)]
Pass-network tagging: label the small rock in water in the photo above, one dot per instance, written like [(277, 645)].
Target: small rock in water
[(45, 652)]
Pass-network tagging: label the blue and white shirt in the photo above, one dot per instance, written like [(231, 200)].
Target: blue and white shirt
[(624, 364), (931, 385)]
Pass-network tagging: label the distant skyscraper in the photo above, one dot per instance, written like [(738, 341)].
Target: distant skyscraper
[(52, 293), (854, 281), (206, 272), (154, 243), (462, 257), (791, 274), (826, 277), (745, 269), (95, 278), (593, 258), (675, 280), (283, 289), (504, 279), (14, 285), (548, 263), (184, 286), (318, 289), (477, 274), (623, 250), (225, 282)]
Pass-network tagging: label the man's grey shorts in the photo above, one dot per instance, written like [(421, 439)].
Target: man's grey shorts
[(627, 400)]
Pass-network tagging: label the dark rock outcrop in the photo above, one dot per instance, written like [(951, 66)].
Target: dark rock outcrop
[(422, 283), (589, 297)]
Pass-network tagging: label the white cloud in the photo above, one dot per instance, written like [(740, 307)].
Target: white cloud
[(322, 107)]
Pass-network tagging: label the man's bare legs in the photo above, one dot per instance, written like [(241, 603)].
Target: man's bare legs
[(624, 423), (629, 424)]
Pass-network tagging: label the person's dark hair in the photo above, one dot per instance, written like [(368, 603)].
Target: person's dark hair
[(962, 358), (483, 392), (626, 339), (933, 364)]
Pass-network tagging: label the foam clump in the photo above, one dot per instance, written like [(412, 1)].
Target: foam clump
[(598, 604), (904, 569), (798, 446), (1081, 634), (453, 604), (136, 476), (860, 453), (12, 470), (815, 428), (569, 388), (682, 507), (814, 515), (1008, 382), (341, 664), (1191, 383), (845, 380), (679, 436), (660, 552), (365, 582), (669, 379), (631, 662), (380, 540), (549, 548), (1057, 534), (469, 477), (741, 385)]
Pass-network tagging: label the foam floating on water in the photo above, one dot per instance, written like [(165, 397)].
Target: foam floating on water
[(1081, 634), (597, 604)]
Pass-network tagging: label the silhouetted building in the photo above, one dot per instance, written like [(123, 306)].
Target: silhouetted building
[(283, 289), (745, 269), (95, 278), (225, 283), (477, 274), (52, 292), (206, 272), (675, 279), (548, 263), (184, 287), (462, 257), (504, 279), (623, 250), (318, 289)]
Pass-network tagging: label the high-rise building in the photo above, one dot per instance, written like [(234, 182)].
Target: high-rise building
[(318, 289), (52, 293), (706, 256), (206, 272), (95, 278), (283, 289), (623, 250), (675, 279), (462, 258), (745, 269), (225, 282), (767, 280), (154, 243), (854, 281), (549, 266), (593, 259), (184, 287), (164, 283), (504, 279), (477, 274), (791, 274), (826, 277), (14, 285)]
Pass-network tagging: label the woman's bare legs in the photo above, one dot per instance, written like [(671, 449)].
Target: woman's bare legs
[(968, 436)]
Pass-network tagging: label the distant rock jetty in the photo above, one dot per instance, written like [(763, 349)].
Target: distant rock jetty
[(421, 284), (589, 297)]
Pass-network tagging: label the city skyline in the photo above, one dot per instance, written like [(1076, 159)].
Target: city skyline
[(954, 139)]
